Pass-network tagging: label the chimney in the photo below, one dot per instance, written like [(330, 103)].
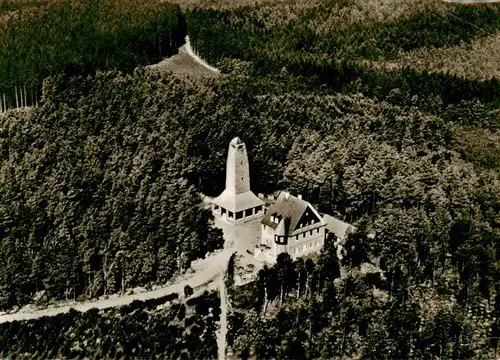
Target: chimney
[(287, 195), (299, 196)]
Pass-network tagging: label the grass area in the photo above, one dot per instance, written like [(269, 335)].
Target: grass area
[(183, 65)]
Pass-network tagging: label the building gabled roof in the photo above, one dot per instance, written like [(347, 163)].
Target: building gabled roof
[(237, 202), (338, 227), (289, 207)]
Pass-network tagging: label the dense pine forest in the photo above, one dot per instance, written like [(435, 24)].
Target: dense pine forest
[(95, 191), (388, 154), (160, 328), (41, 38), (100, 184)]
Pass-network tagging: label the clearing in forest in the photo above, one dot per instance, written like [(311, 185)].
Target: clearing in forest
[(183, 64)]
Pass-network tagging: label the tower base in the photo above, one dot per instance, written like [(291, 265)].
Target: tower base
[(239, 216)]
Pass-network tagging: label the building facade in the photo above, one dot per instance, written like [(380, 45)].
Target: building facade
[(292, 225), (237, 203)]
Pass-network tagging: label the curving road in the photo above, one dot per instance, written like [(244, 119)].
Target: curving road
[(205, 271)]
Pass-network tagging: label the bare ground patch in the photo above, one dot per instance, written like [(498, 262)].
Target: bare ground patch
[(183, 65)]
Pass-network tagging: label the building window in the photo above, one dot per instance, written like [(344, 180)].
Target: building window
[(239, 215), (311, 232), (230, 214), (296, 237), (280, 240), (310, 245), (317, 230), (248, 212), (303, 235)]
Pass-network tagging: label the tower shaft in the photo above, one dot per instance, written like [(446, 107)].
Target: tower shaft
[(237, 168)]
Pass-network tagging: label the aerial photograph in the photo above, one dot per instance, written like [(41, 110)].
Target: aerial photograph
[(250, 179)]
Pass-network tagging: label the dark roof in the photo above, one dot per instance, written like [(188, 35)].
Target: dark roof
[(290, 207)]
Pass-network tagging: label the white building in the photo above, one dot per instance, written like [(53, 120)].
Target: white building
[(292, 225), (237, 203)]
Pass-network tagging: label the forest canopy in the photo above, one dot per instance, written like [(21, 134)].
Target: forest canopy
[(146, 329), (100, 185), (94, 190), (46, 38)]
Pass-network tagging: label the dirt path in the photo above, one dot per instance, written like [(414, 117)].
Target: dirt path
[(199, 60), (185, 63), (206, 274), (206, 271)]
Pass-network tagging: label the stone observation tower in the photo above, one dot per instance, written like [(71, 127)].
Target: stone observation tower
[(237, 203)]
